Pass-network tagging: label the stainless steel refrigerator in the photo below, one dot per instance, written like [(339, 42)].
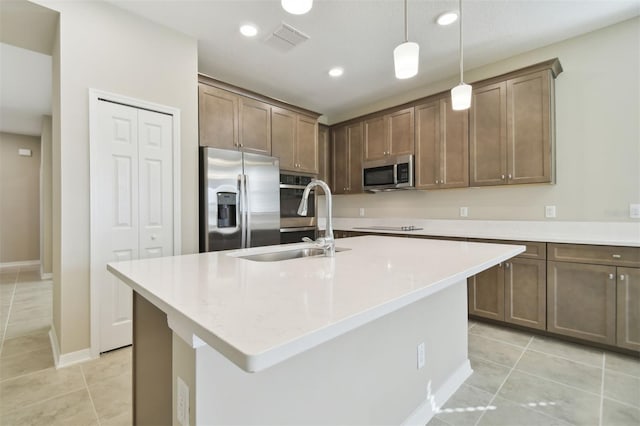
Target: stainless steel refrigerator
[(239, 200)]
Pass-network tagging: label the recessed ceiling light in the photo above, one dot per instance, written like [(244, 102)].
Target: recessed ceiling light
[(336, 71), (248, 30), (447, 18)]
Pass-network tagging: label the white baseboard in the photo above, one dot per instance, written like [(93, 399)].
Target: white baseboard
[(66, 360), (434, 401), (20, 264)]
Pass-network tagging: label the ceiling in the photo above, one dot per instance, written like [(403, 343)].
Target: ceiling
[(360, 35)]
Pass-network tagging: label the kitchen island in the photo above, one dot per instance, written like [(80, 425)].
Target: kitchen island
[(329, 340)]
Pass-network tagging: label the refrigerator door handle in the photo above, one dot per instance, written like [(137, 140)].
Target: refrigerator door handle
[(241, 211), (247, 210)]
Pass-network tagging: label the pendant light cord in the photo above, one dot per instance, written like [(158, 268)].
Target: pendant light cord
[(406, 22), (460, 50)]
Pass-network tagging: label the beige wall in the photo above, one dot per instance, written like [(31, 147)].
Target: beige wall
[(104, 47), (45, 196), (19, 199), (597, 141)]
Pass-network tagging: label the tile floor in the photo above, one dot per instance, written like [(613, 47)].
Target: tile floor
[(32, 391), (519, 378)]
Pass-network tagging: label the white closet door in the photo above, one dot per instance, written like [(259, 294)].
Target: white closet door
[(132, 205), (156, 180)]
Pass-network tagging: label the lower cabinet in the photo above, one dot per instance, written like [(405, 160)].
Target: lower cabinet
[(486, 293), (581, 301)]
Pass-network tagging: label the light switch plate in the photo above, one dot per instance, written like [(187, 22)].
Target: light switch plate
[(464, 211), (549, 211), (361, 211), (421, 355), (634, 211), (23, 152)]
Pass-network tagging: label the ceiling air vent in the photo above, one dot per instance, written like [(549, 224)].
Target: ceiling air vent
[(285, 38)]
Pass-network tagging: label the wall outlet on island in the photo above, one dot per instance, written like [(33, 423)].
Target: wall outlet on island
[(361, 211), (634, 211), (464, 211), (421, 355)]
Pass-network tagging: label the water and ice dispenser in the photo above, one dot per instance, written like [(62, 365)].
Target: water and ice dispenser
[(227, 208)]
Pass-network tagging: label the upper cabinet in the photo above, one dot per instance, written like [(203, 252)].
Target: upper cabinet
[(389, 134), (324, 155), (295, 141), (346, 147), (442, 141), (231, 118), (511, 131)]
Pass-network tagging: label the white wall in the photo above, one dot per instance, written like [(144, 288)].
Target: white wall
[(45, 197), (597, 141), (104, 47)]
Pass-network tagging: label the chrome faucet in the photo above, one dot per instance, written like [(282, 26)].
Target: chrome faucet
[(327, 243)]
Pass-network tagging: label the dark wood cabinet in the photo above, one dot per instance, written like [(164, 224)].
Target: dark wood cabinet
[(389, 134), (442, 145), (255, 126), (511, 131), (217, 117), (628, 308), (324, 154), (346, 146), (486, 293), (294, 140)]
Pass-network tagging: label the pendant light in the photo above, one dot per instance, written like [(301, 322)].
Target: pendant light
[(461, 94), (297, 7), (406, 56)]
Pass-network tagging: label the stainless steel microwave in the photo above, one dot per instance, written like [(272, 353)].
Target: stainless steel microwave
[(388, 174)]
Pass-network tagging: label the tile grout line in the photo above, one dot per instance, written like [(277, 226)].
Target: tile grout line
[(93, 405), (504, 381), (6, 326), (604, 357)]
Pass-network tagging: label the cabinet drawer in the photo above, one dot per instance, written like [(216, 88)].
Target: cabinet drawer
[(602, 255), (535, 250)]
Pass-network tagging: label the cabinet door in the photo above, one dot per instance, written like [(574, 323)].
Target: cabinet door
[(526, 293), (340, 160), (488, 135), (375, 139), (528, 124), (628, 313), (454, 151), (324, 155), (255, 126), (355, 158), (427, 165), (581, 301), (306, 147), (400, 132), (283, 136), (529, 135), (217, 117), (486, 293)]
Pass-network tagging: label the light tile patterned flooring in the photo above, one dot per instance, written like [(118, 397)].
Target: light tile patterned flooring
[(519, 378), (32, 391)]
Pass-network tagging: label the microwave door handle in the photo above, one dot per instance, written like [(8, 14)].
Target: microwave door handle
[(395, 173)]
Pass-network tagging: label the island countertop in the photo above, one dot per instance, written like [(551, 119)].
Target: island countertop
[(258, 314)]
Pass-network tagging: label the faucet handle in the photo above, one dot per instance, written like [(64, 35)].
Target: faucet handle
[(307, 240)]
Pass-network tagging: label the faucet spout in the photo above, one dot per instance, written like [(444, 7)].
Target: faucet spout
[(328, 243)]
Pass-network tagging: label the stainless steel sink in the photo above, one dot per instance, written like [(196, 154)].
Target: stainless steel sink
[(276, 256)]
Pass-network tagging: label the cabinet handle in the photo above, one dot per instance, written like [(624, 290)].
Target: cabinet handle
[(502, 177), (621, 277), (611, 276), (616, 256), (507, 265), (509, 176)]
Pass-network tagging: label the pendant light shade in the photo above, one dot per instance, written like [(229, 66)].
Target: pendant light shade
[(405, 58), (461, 97), (297, 7), (461, 94), (407, 55)]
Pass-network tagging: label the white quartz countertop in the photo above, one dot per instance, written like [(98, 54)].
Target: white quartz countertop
[(258, 314), (597, 233)]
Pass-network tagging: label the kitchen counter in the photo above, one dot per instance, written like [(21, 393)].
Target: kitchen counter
[(330, 340), (260, 313), (597, 233)]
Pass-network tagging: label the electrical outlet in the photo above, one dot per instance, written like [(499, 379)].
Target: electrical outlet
[(634, 211), (420, 354), (464, 211), (361, 211), (549, 211), (183, 403)]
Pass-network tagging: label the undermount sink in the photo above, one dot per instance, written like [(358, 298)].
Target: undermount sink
[(276, 256)]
